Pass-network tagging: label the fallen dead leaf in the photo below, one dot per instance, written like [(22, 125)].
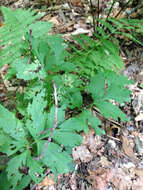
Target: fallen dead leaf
[(128, 149), (138, 184), (81, 153), (100, 185), (48, 181), (76, 2), (91, 141), (54, 20), (4, 68), (139, 117), (139, 172), (73, 182), (81, 31), (104, 162)]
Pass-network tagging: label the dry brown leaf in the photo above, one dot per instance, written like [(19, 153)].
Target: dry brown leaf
[(4, 68), (104, 162), (124, 185), (81, 153), (54, 20), (110, 174), (73, 182), (128, 149), (76, 3), (47, 181), (138, 102), (139, 172), (91, 141), (1, 24), (138, 184), (100, 185), (98, 178), (139, 117), (121, 15)]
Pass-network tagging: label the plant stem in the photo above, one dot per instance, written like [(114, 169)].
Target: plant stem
[(30, 33), (55, 123), (114, 1), (93, 16), (98, 12), (122, 9)]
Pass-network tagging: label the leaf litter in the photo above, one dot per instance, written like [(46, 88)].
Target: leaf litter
[(113, 161)]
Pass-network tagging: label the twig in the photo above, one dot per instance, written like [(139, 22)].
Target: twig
[(114, 1), (113, 138), (122, 9), (34, 186), (45, 131), (55, 123)]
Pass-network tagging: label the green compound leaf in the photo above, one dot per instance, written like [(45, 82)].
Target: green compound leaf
[(107, 87), (14, 175), (75, 98), (17, 24), (74, 124), (51, 116)]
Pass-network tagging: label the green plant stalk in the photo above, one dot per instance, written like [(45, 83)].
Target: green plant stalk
[(114, 1), (93, 16), (98, 13)]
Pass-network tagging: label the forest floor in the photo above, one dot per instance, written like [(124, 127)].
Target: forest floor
[(113, 161)]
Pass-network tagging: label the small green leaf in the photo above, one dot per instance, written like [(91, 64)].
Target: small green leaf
[(4, 183), (24, 70), (95, 122), (67, 138), (109, 110), (14, 175), (11, 125), (23, 183), (35, 170), (57, 47), (36, 111), (51, 116), (97, 86), (39, 29), (73, 124), (75, 99), (119, 95), (57, 159)]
